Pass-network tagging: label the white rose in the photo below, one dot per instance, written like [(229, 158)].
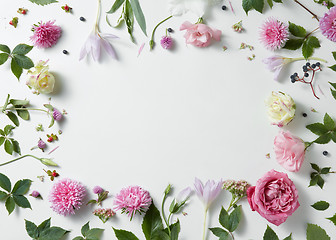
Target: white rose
[(281, 108), (41, 80)]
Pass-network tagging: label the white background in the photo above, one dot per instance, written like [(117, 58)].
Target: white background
[(165, 116)]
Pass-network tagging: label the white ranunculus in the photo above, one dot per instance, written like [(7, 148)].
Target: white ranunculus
[(40, 79)]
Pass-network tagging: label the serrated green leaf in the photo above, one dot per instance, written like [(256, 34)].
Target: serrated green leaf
[(31, 229), (21, 201), (152, 222), (308, 46), (43, 2), (2, 139), (289, 237), (22, 49), (3, 195), (270, 3), (293, 44), (16, 69), (317, 128), (224, 218), (221, 233), (234, 218), (124, 235), (4, 48), (258, 5), (53, 233), (323, 139), (85, 229), (329, 122), (3, 58), (5, 182), (10, 205), (247, 5), (297, 30), (270, 234), (116, 5), (44, 225), (333, 67), (320, 205), (315, 232), (21, 187), (94, 233), (9, 148), (139, 15), (333, 219), (320, 181), (23, 61)]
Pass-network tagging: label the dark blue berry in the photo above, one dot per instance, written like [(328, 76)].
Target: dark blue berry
[(304, 114), (65, 52), (295, 74), (224, 7), (305, 69), (293, 80), (306, 74), (170, 30), (313, 65), (308, 64), (325, 153), (82, 19), (318, 64)]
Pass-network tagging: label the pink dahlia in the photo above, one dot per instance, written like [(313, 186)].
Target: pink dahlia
[(66, 196), (45, 34), (132, 199), (328, 24), (273, 34)]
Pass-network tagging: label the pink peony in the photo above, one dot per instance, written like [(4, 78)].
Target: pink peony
[(289, 151), (46, 34), (66, 196), (328, 24), (131, 200), (199, 34), (274, 34), (274, 197)]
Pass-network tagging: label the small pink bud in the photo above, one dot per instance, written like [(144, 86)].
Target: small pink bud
[(41, 144), (57, 115)]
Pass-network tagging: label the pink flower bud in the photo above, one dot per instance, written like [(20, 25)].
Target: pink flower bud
[(57, 115)]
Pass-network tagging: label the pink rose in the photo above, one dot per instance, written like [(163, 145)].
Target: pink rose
[(199, 34), (289, 151), (274, 197)]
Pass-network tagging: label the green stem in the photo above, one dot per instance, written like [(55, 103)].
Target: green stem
[(34, 109), (204, 224), (151, 42), (168, 220), (16, 159), (164, 216), (311, 32), (310, 58), (307, 145), (96, 27)]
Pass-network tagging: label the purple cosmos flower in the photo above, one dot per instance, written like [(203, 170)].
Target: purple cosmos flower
[(328, 24), (208, 192)]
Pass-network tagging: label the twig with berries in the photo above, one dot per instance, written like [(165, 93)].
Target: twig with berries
[(306, 68)]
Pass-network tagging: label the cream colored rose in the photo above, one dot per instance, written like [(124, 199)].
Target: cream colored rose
[(281, 108), (40, 79)]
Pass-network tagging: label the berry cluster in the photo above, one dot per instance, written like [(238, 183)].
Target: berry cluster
[(306, 68)]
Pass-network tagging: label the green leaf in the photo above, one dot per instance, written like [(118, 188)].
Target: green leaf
[(10, 205), (270, 234), (333, 84), (152, 222), (24, 114), (277, 1), (43, 2), (3, 58), (8, 129), (116, 5), (21, 201), (221, 233), (3, 195), (313, 181), (270, 3), (308, 46), (247, 5), (85, 229), (333, 67), (4, 48), (315, 232), (334, 55), (224, 218), (235, 218), (16, 146), (94, 233), (23, 61), (31, 229), (325, 170), (329, 122), (44, 225), (124, 235), (2, 139), (315, 167), (258, 5), (79, 238), (49, 107), (175, 230), (21, 187), (297, 30), (317, 128), (320, 181), (320, 205), (289, 237), (324, 139), (17, 102), (16, 69), (22, 49), (129, 19), (333, 136), (139, 15), (53, 233), (5, 182), (13, 118), (293, 44), (333, 219), (9, 148)]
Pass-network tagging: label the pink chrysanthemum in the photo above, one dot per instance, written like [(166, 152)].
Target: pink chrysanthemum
[(66, 196), (46, 34), (273, 34), (131, 200), (166, 42), (328, 24)]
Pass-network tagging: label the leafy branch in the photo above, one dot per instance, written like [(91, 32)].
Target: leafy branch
[(44, 231), (13, 197), (258, 5), (11, 145), (329, 4), (316, 176), (89, 234), (19, 59), (326, 130)]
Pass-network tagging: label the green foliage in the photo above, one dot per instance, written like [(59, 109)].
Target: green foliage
[(315, 232), (19, 60), (89, 234), (321, 205), (316, 176), (15, 106), (44, 231), (43, 2), (333, 219), (309, 45), (13, 197), (271, 235), (10, 144), (124, 235), (131, 9), (326, 130), (152, 223), (329, 4), (258, 5), (297, 30), (333, 89)]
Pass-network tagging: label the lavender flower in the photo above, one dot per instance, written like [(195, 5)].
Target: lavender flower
[(166, 42), (57, 115), (97, 190)]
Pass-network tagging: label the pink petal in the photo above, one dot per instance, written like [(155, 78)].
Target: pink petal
[(109, 49), (186, 25)]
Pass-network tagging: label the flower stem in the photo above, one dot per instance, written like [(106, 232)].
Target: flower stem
[(98, 16), (314, 15), (151, 42), (16, 159), (163, 214), (204, 224), (35, 109), (310, 58)]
